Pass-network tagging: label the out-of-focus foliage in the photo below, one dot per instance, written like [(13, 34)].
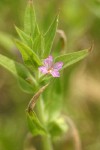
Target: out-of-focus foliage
[(80, 20)]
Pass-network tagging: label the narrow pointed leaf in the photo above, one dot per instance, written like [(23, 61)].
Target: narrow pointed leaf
[(29, 56), (35, 126), (49, 36), (36, 31), (38, 45), (29, 19), (19, 71), (24, 37), (71, 58)]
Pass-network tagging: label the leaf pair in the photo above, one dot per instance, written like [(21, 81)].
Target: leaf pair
[(55, 129), (31, 39), (29, 56), (31, 28)]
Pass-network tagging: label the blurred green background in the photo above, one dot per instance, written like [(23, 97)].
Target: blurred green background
[(80, 21)]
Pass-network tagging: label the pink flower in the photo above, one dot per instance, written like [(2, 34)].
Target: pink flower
[(51, 68)]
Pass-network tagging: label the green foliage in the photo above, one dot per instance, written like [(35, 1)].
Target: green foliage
[(29, 19), (29, 56), (19, 71), (57, 127), (31, 35), (36, 30), (49, 36), (24, 37), (38, 45), (53, 105), (35, 126), (72, 58)]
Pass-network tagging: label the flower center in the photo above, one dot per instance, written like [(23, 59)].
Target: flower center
[(50, 70)]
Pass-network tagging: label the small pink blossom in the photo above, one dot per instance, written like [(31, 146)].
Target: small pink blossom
[(51, 68)]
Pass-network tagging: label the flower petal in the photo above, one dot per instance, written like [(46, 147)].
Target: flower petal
[(48, 62), (43, 69), (58, 65), (55, 73)]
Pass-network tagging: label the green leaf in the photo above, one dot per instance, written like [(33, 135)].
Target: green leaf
[(57, 127), (24, 37), (29, 19), (49, 36), (71, 58), (35, 126), (36, 31), (19, 71), (29, 56), (38, 41), (38, 45)]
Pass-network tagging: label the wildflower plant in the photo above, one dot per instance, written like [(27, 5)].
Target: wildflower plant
[(38, 73)]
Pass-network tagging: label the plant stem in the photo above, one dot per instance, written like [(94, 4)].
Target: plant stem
[(47, 145)]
